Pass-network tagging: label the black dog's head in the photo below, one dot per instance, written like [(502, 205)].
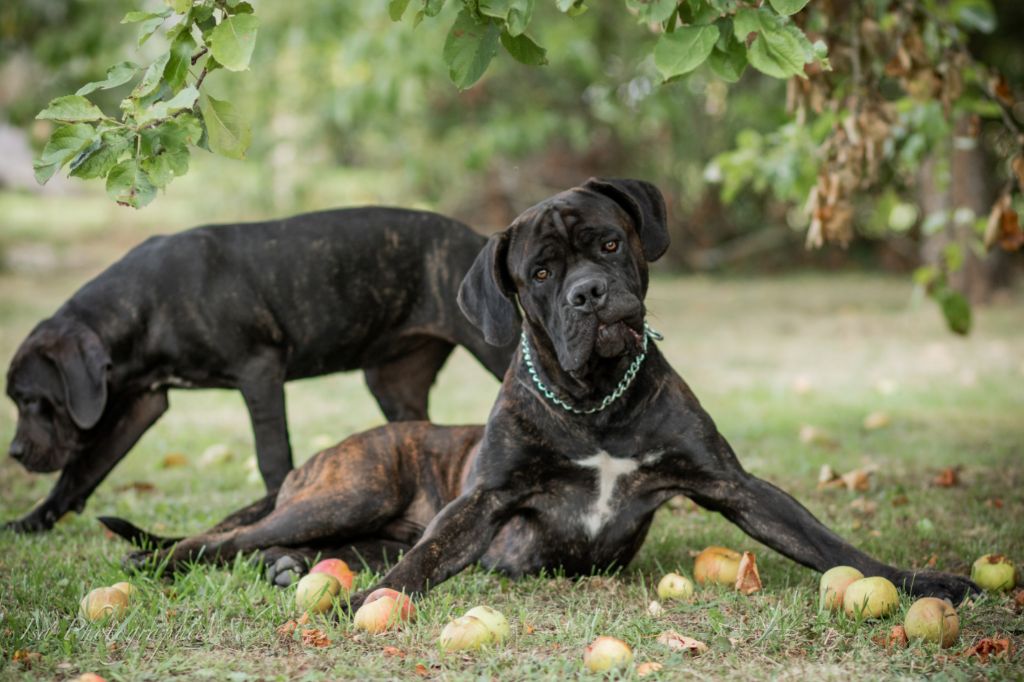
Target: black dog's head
[(58, 380), (578, 264)]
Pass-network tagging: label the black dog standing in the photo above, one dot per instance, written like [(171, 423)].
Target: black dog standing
[(591, 433), (247, 306)]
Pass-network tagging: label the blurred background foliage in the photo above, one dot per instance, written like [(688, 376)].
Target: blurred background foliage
[(349, 107)]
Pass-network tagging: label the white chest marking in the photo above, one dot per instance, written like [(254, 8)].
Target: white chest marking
[(608, 470)]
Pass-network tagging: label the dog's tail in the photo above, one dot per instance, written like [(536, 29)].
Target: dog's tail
[(134, 534), (144, 539)]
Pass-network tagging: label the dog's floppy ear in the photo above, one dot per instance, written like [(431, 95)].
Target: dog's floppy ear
[(644, 204), (485, 295), (82, 361)]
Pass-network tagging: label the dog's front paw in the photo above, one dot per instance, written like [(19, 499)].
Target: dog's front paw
[(38, 520), (138, 561), (285, 570), (955, 588)]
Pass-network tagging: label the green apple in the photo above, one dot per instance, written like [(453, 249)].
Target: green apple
[(994, 573), (870, 598), (606, 653), (465, 633), (316, 592), (717, 565), (495, 621), (675, 586), (932, 620), (103, 603)]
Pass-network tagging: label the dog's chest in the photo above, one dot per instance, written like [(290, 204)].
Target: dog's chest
[(611, 480)]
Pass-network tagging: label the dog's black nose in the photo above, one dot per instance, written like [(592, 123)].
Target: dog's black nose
[(17, 449), (589, 294)]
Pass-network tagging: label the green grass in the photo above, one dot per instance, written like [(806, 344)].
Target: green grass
[(860, 343)]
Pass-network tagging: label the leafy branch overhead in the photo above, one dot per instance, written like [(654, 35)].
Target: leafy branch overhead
[(726, 34), (166, 113)]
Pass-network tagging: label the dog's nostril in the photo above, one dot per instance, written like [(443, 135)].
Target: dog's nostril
[(577, 298), (17, 450)]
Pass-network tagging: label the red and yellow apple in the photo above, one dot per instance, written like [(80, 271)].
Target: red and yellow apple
[(718, 565), (675, 586), (384, 609), (833, 584), (606, 653), (933, 620), (337, 568), (315, 592), (870, 598)]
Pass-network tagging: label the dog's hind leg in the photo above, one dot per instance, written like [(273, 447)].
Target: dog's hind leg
[(402, 386)]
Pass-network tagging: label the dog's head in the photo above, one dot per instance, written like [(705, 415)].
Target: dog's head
[(58, 380), (577, 263)]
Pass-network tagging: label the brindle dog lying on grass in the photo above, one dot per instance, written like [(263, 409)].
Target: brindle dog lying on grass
[(591, 433)]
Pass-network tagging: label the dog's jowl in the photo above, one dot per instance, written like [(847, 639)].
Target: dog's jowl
[(249, 307), (592, 431)]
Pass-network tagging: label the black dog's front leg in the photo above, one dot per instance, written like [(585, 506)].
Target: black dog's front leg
[(773, 517), (81, 477), (458, 536), (263, 390)]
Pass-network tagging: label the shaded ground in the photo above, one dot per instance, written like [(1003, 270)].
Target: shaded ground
[(766, 357)]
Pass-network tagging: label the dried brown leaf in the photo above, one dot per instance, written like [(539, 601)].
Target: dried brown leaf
[(896, 638), (947, 478), (173, 460), (421, 670), (315, 637), (677, 642), (26, 657), (989, 646), (748, 580), (648, 667), (994, 503), (1018, 169), (394, 652), (287, 629)]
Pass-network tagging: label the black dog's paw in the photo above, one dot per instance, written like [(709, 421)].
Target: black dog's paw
[(285, 570), (138, 561), (36, 521), (955, 588)]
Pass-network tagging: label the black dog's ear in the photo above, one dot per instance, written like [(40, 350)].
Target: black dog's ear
[(82, 361), (485, 295), (644, 204)]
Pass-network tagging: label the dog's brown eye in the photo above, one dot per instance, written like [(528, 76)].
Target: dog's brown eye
[(541, 275), (610, 246)]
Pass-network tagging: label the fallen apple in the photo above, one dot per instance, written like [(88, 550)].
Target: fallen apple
[(316, 592), (606, 653), (494, 619), (870, 598), (833, 586), (383, 609), (89, 677), (126, 587), (465, 633), (718, 565), (675, 586), (337, 568), (994, 573), (103, 603), (932, 620)]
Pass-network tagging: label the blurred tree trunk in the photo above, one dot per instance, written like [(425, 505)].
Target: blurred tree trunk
[(970, 186)]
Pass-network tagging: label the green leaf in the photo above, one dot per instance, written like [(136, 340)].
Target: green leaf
[(495, 8), (573, 8), (118, 74), (233, 40), (976, 15), (180, 6), (955, 309), (179, 61), (652, 11), (520, 13), (777, 54), (684, 49), (149, 22), (396, 8), (730, 62), (432, 8), (185, 99), (130, 185), (469, 48), (524, 49), (151, 79), (70, 108), (102, 155), (227, 132), (787, 7), (65, 143)]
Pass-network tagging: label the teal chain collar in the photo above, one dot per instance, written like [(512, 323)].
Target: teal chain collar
[(634, 367)]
